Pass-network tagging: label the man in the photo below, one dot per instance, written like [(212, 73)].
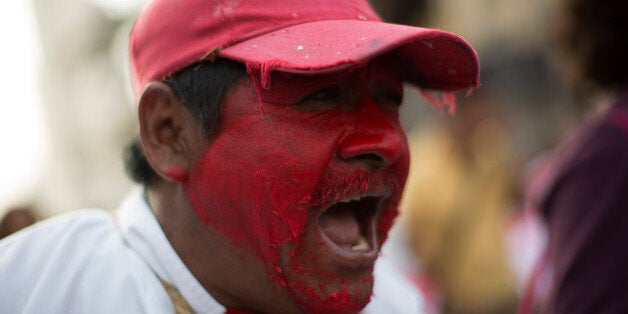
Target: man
[(272, 161)]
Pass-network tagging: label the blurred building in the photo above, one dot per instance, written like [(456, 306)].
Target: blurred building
[(86, 98)]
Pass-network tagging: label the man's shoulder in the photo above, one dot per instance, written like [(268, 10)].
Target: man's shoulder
[(72, 227), (68, 232), (69, 262)]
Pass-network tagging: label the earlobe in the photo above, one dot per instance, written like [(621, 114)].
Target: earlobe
[(170, 135), (177, 173)]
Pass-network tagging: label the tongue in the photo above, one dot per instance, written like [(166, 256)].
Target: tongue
[(341, 226)]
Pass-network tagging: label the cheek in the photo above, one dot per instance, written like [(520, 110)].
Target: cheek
[(255, 182)]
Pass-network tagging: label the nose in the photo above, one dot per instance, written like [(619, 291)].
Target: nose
[(372, 150), (373, 141)]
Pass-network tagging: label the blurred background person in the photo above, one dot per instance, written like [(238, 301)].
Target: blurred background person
[(580, 187), (16, 219), (455, 205)]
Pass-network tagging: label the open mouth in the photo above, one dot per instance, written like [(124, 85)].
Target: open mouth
[(348, 226)]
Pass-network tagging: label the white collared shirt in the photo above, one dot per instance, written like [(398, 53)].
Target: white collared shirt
[(87, 261)]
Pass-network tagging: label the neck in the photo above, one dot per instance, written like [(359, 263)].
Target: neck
[(230, 274)]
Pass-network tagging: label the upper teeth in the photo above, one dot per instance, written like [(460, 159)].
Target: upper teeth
[(350, 199)]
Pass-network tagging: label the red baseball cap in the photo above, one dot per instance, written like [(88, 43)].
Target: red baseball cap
[(318, 36)]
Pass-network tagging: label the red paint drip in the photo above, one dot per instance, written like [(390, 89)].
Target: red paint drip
[(440, 100), (177, 173)]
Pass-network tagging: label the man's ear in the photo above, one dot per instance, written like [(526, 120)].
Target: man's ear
[(171, 137)]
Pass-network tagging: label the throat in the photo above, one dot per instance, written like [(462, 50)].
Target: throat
[(348, 225)]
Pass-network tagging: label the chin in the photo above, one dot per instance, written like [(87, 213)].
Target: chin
[(340, 301), (322, 279), (333, 296)]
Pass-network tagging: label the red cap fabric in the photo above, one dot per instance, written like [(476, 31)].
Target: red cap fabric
[(318, 36)]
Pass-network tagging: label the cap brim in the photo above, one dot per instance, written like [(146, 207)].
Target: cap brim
[(435, 59)]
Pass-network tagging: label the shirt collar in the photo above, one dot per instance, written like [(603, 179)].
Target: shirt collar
[(144, 235)]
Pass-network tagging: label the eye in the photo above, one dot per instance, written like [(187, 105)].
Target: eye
[(325, 98), (328, 93), (388, 98)]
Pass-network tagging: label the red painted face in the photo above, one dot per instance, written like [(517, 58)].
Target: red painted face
[(307, 175)]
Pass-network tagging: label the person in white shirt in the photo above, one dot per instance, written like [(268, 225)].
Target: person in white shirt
[(272, 162)]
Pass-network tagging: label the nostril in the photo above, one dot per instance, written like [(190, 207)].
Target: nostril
[(371, 159), (371, 156)]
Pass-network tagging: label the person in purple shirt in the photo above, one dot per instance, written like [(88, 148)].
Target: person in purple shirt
[(584, 195)]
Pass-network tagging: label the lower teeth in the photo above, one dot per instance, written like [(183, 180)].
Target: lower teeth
[(362, 245)]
